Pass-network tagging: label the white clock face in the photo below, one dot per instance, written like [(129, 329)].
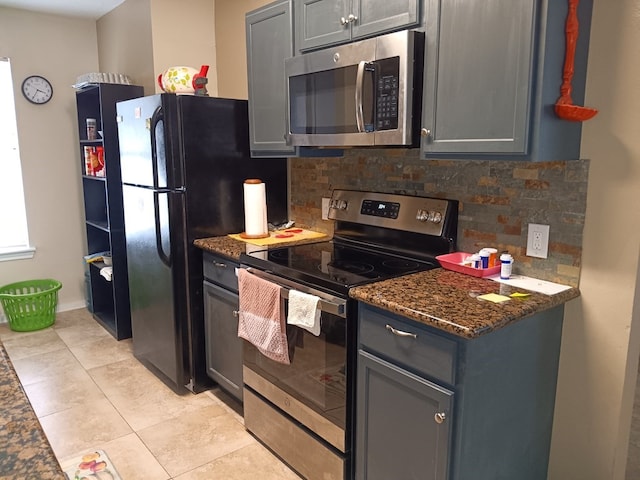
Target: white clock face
[(37, 89)]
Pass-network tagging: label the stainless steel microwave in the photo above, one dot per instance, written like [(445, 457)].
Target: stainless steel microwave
[(360, 94)]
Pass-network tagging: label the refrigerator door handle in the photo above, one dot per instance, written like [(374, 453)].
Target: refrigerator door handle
[(165, 258), (157, 117)]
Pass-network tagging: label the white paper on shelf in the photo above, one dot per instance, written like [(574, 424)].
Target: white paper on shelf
[(533, 284), (107, 273)]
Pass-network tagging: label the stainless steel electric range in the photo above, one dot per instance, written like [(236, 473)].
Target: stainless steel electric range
[(304, 411)]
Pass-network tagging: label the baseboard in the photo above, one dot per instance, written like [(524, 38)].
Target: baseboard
[(63, 307)]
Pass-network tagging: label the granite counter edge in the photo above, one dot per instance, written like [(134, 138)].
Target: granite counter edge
[(457, 326)]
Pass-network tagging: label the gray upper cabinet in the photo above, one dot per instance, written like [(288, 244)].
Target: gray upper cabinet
[(269, 42), (492, 76), (477, 83), (374, 17), (320, 23)]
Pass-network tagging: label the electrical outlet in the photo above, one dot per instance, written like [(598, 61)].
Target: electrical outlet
[(325, 208), (538, 240)]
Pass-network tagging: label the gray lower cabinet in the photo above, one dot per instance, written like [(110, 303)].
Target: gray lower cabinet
[(492, 75), (434, 406), (319, 23), (396, 404), (269, 43), (223, 347)]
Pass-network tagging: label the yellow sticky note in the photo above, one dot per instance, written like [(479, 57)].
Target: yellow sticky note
[(494, 297), (520, 295)]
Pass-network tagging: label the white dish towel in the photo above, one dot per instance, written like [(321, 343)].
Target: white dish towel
[(303, 311)]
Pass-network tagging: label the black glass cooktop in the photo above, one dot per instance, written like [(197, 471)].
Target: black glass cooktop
[(334, 266)]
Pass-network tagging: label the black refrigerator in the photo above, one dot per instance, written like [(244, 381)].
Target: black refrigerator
[(184, 160)]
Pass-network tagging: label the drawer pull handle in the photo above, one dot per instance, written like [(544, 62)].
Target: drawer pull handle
[(440, 417), (236, 313), (219, 264), (400, 333)]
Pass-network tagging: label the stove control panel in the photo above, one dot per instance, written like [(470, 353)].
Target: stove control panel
[(424, 215), (429, 216), (379, 208), (338, 204)]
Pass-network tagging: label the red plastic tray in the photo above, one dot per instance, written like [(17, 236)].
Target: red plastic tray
[(453, 261)]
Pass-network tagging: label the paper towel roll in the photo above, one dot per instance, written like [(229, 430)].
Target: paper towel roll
[(255, 209)]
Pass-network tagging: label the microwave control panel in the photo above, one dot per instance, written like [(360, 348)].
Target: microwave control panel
[(387, 84)]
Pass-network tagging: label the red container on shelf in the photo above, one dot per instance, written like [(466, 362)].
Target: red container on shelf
[(89, 154), (100, 170)]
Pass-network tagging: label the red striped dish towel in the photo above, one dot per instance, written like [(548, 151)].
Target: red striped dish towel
[(261, 321)]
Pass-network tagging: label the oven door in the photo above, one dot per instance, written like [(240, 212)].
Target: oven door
[(313, 387)]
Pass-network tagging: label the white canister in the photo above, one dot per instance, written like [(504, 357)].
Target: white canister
[(506, 265)]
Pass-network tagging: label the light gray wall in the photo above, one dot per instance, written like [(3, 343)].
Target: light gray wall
[(60, 49), (125, 44), (601, 335)]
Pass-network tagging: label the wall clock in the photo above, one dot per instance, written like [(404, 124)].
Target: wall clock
[(37, 89)]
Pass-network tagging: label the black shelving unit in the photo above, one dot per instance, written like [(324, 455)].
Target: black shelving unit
[(104, 219)]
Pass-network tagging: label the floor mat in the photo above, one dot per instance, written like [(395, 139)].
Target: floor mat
[(90, 466)]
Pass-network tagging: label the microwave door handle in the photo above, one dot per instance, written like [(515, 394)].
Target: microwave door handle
[(359, 87), (363, 67)]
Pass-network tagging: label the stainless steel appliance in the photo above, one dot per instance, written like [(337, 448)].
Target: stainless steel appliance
[(304, 411), (359, 94), (184, 159)]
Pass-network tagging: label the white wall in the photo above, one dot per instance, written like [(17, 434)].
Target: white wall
[(232, 46), (601, 337), (60, 49), (184, 37), (125, 43)]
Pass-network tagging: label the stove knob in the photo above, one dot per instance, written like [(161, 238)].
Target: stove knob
[(342, 205), (437, 217), (422, 215)]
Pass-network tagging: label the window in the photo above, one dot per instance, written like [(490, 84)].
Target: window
[(14, 237)]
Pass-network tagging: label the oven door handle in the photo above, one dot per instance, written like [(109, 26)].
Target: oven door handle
[(324, 305), (328, 303)]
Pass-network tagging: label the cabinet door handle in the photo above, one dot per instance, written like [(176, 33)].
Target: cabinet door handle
[(400, 333), (219, 264), (236, 313), (350, 19), (440, 417)]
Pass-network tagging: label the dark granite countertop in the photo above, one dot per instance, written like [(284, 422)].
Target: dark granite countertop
[(232, 248), (439, 298), (448, 301), (25, 452)]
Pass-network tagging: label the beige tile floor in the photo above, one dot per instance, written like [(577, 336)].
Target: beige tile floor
[(90, 393)]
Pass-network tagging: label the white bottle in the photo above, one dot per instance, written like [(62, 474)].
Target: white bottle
[(506, 264)]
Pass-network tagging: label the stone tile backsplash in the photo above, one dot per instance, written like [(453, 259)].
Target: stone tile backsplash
[(498, 199)]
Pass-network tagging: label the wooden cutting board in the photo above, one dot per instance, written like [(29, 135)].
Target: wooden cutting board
[(281, 236)]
